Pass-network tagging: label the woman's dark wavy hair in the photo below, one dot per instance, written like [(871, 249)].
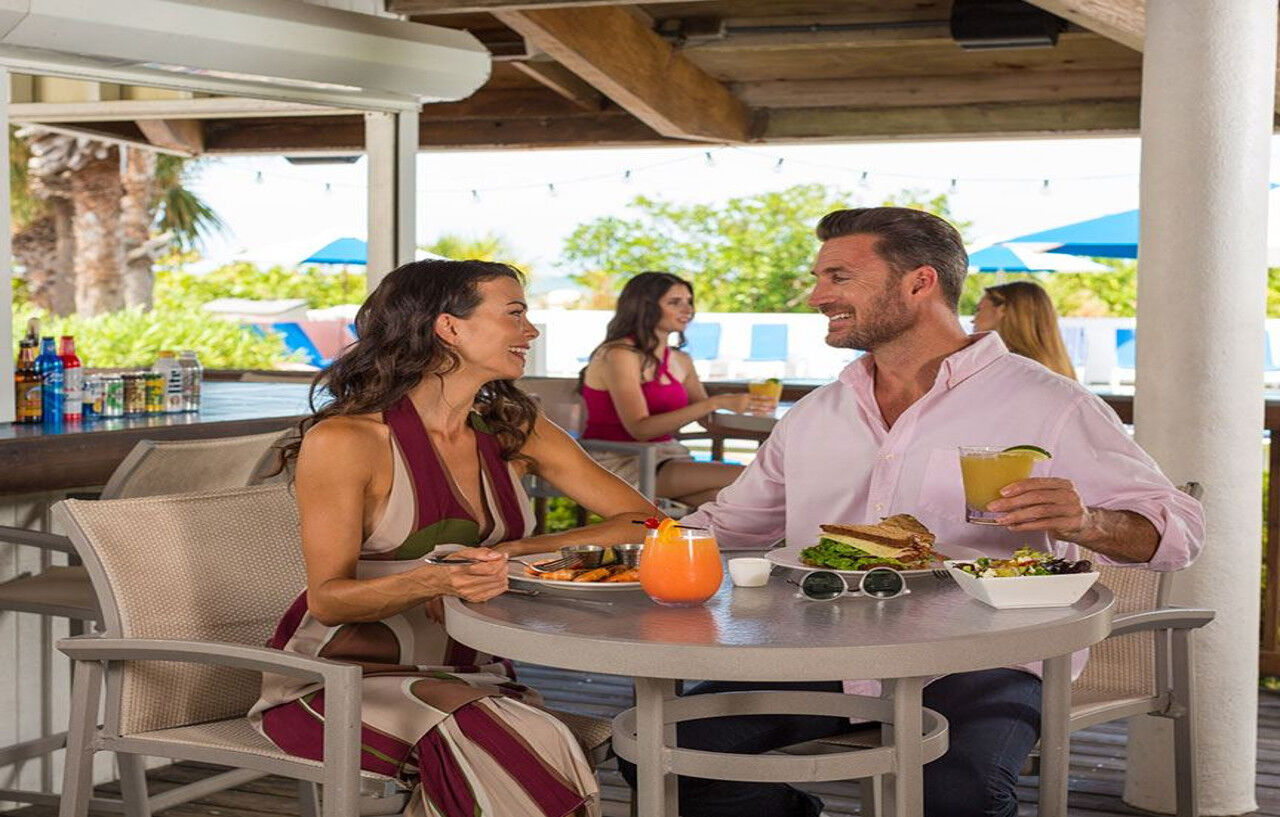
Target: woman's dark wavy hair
[(397, 346), (639, 310)]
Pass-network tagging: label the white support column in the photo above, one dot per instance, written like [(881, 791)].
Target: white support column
[(6, 267), (1207, 104), (391, 147)]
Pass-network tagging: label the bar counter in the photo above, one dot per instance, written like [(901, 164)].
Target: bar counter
[(36, 458)]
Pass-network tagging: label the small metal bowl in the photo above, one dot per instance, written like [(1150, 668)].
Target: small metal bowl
[(629, 555), (588, 556)]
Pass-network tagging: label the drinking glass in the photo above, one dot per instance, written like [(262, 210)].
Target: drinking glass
[(985, 470), (680, 567), (767, 394)]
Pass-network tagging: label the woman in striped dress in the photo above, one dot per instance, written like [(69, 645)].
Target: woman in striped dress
[(422, 446)]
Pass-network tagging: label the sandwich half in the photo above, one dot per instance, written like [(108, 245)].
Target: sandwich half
[(900, 542)]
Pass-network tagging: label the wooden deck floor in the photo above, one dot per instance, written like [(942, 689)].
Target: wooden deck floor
[(1097, 763)]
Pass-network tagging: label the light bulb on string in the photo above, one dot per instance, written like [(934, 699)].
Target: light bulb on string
[(258, 177), (864, 181), (711, 160), (328, 188), (626, 177), (551, 190), (953, 188), (1044, 188), (777, 168), (475, 196)]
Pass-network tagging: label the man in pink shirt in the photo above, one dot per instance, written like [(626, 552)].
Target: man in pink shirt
[(882, 440)]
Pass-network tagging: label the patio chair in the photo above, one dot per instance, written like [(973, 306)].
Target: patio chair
[(768, 342), (1076, 339), (296, 340), (151, 468), (702, 340), (191, 586), (1143, 667), (1126, 356)]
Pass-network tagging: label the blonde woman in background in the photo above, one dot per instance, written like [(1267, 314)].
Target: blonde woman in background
[(1023, 315)]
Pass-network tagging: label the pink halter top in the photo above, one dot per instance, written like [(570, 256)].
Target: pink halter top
[(661, 394)]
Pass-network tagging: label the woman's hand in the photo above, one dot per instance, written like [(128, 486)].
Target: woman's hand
[(472, 582), (738, 402)]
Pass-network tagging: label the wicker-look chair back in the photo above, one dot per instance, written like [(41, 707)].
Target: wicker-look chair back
[(559, 399), (211, 567), (1123, 666), (156, 467)]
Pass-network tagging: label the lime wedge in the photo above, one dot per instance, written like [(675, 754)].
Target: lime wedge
[(1035, 452), (773, 380)]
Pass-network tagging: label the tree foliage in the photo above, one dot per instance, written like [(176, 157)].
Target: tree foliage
[(749, 254), (488, 247)]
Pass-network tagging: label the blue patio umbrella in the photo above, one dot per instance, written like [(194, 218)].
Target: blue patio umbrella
[(341, 251), (1113, 236), (1005, 258)]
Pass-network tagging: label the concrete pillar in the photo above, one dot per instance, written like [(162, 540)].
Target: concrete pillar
[(1208, 86), (6, 267), (391, 147)]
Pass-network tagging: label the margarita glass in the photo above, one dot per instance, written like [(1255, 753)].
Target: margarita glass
[(986, 469)]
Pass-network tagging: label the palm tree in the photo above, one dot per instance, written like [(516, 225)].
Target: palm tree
[(74, 210)]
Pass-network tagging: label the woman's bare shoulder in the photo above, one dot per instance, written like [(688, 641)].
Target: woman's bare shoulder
[(346, 435)]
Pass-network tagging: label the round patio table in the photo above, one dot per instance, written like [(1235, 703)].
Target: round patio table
[(770, 634)]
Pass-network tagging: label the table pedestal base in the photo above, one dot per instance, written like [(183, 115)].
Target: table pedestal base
[(645, 735)]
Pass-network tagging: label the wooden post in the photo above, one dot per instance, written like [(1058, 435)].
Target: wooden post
[(391, 147), (6, 278)]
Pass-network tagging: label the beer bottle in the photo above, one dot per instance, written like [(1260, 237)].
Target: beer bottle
[(49, 365), (72, 379), (27, 380)]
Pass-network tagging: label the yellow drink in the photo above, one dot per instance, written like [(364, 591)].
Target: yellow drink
[(770, 390), (985, 471)]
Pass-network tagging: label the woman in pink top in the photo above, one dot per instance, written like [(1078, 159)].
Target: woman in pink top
[(638, 388)]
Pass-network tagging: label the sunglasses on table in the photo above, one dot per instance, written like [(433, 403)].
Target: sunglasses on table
[(876, 583)]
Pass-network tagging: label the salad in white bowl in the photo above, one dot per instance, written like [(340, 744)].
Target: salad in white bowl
[(1026, 579)]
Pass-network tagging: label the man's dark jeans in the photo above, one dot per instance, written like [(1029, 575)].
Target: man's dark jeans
[(994, 720)]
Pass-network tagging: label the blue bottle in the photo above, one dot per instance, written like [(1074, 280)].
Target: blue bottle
[(49, 367)]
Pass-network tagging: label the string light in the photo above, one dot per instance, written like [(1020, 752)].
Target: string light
[(865, 180), (328, 188), (953, 188), (551, 189), (626, 177), (258, 179), (777, 168), (475, 196), (711, 160), (1044, 188)]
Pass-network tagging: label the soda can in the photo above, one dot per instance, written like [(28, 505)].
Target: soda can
[(111, 389), (155, 392), (135, 394), (91, 397)]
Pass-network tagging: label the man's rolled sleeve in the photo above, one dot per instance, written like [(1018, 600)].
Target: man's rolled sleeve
[(1111, 472)]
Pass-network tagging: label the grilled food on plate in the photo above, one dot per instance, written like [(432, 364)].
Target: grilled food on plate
[(901, 542), (609, 573)]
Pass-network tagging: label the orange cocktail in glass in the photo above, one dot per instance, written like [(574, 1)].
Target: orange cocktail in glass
[(768, 393), (985, 470), (680, 566)]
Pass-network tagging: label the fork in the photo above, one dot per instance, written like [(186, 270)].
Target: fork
[(941, 575), (545, 567)]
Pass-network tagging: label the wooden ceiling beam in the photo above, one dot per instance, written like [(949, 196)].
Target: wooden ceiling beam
[(961, 89), (182, 135), (1124, 21), (464, 6), (935, 34), (564, 82), (958, 122), (620, 56), (346, 134)]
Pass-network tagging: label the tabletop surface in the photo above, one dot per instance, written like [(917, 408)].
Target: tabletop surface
[(764, 633), (221, 402)]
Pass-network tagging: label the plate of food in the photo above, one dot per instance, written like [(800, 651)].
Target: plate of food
[(611, 576), (1025, 579), (901, 542)]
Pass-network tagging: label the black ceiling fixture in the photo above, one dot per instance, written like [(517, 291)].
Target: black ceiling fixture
[(986, 24)]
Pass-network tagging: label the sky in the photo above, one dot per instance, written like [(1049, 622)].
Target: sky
[(281, 212)]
